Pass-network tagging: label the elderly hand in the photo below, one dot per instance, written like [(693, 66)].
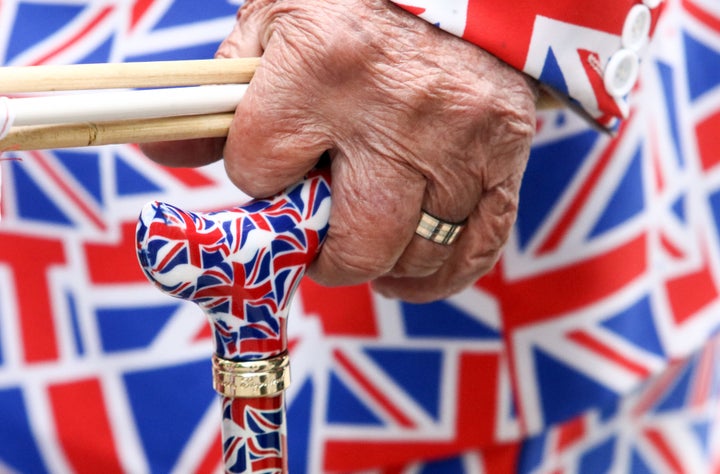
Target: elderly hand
[(412, 118)]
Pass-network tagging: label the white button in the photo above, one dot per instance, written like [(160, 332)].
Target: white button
[(621, 72), (652, 3), (636, 29)]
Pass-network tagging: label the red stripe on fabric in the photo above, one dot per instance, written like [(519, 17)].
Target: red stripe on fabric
[(83, 427), (690, 293), (594, 345), (259, 221), (657, 439), (654, 146), (582, 196), (140, 7), (670, 248), (393, 411), (534, 299), (570, 433), (344, 311), (68, 191), (205, 333), (476, 404), (708, 141), (503, 457), (393, 470), (492, 24), (211, 463), (79, 35), (30, 259), (591, 64), (702, 15), (115, 262)]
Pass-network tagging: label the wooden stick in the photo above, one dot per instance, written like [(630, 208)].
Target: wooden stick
[(126, 75), (548, 99), (42, 137), (548, 102)]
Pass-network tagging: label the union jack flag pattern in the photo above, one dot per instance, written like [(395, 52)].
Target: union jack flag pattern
[(585, 51), (591, 347), (242, 267), (257, 432)]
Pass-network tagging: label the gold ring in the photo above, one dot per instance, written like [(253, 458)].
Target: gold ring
[(251, 379), (438, 231)]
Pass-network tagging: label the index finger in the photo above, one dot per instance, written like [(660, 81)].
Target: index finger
[(185, 153)]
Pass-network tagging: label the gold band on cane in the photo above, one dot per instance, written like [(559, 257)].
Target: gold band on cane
[(438, 231), (251, 379)]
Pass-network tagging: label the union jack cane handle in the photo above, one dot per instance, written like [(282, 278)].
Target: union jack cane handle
[(242, 266)]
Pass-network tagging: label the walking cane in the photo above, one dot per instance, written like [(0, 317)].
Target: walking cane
[(241, 266)]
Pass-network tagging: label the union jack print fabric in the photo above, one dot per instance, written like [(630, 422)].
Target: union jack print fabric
[(591, 347), (571, 46)]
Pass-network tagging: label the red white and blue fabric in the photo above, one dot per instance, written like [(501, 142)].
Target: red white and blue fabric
[(566, 44), (590, 348)]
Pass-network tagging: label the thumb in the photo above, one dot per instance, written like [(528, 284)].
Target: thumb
[(243, 41)]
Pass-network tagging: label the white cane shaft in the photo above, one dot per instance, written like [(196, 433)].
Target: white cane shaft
[(124, 105)]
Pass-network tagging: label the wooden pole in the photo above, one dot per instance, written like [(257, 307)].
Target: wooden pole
[(126, 75), (41, 137)]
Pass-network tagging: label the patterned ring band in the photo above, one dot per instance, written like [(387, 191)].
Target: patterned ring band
[(251, 379), (438, 231)]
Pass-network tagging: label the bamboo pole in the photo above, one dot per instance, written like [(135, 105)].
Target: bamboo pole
[(126, 75), (42, 137)]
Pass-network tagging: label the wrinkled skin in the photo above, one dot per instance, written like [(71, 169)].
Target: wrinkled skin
[(412, 118)]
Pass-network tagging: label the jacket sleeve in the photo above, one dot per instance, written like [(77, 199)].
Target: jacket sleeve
[(586, 52)]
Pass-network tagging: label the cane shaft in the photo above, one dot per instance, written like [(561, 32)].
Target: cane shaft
[(254, 434)]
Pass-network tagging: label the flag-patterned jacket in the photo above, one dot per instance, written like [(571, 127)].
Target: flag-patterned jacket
[(587, 52)]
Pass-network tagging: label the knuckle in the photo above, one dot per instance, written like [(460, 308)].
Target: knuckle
[(479, 263), (415, 269), (252, 185), (360, 264), (351, 266)]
